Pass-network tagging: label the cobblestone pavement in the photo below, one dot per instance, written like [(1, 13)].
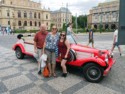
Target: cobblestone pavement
[(20, 77)]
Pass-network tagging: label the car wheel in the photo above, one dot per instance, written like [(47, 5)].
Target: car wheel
[(93, 72), (19, 53)]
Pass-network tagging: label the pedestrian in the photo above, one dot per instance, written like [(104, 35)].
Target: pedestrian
[(8, 30), (70, 30), (39, 40), (49, 48), (91, 39), (63, 48), (115, 42)]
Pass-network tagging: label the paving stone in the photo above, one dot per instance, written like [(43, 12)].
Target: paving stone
[(10, 76), (1, 59), (6, 92), (16, 82), (25, 72), (32, 77), (49, 89), (29, 66), (61, 83), (75, 87), (34, 90), (22, 88), (7, 72), (96, 89), (3, 88), (39, 82)]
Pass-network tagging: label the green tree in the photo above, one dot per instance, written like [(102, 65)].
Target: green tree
[(81, 21)]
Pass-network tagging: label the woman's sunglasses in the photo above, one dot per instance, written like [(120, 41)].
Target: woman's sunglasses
[(62, 35)]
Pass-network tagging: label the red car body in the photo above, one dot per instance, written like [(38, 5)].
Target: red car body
[(95, 63)]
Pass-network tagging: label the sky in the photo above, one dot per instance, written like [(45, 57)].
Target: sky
[(76, 7)]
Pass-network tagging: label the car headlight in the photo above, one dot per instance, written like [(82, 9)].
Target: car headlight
[(111, 55)]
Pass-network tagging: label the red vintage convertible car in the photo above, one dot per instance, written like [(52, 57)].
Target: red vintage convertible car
[(94, 63)]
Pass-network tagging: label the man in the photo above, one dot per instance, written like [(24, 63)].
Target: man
[(115, 42), (91, 39), (39, 40)]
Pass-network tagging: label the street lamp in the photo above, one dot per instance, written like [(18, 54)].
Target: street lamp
[(100, 20), (13, 21)]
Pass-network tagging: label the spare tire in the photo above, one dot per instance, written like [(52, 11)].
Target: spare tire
[(72, 55)]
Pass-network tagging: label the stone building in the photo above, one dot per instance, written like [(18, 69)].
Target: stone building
[(23, 14), (105, 14), (61, 16)]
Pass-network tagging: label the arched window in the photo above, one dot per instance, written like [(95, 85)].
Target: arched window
[(35, 23), (25, 14), (35, 15), (30, 23), (19, 23), (19, 14), (25, 23)]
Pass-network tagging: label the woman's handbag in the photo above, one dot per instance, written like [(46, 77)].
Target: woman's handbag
[(43, 60), (45, 72)]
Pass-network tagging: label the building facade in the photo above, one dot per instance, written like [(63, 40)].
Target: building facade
[(105, 14), (23, 14), (61, 17)]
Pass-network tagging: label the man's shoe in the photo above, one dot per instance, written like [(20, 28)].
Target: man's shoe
[(120, 54), (39, 72), (64, 75)]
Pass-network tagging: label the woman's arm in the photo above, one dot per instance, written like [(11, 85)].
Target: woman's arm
[(68, 48)]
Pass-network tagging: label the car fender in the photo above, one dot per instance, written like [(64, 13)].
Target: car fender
[(82, 62), (19, 45)]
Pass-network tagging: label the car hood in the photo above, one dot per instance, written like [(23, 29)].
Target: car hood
[(82, 48)]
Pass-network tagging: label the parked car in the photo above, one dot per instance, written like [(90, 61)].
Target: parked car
[(95, 63)]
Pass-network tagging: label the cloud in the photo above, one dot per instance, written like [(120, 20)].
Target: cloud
[(75, 6)]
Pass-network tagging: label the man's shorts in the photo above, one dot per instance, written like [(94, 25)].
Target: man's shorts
[(51, 56), (116, 44), (91, 41), (38, 54)]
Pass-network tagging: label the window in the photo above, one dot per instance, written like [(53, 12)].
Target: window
[(35, 15), (3, 2), (35, 23), (39, 23), (30, 23), (39, 16), (30, 14), (8, 22), (25, 14), (11, 3), (8, 14), (19, 14), (46, 16), (25, 23), (19, 23)]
